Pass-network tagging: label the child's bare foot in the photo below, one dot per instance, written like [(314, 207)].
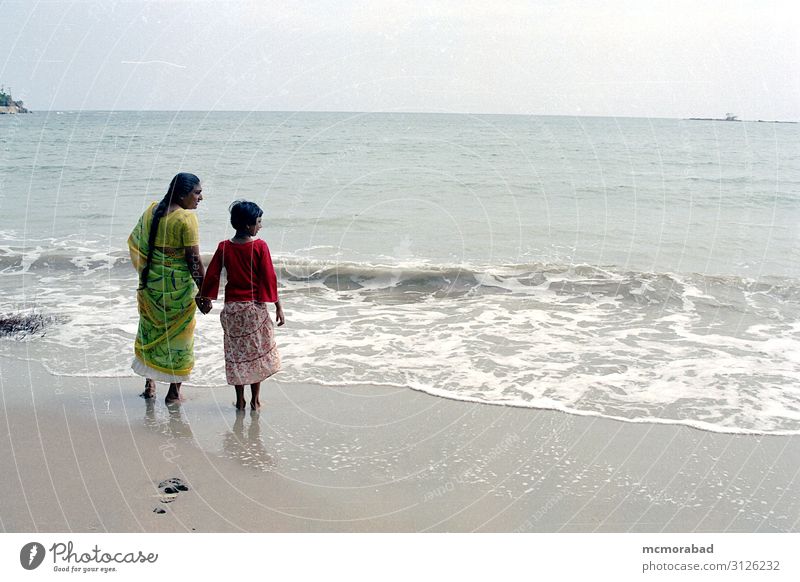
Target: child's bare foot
[(241, 403), (149, 389), (255, 401)]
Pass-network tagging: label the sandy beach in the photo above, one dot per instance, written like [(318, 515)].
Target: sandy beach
[(87, 455)]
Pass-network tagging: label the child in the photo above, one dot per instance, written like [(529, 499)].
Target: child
[(250, 352)]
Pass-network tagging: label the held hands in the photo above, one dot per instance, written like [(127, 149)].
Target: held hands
[(203, 304)]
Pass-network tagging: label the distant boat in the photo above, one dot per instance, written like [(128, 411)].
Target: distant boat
[(732, 117), (728, 117)]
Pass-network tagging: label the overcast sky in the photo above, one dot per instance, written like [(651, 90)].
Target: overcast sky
[(610, 57)]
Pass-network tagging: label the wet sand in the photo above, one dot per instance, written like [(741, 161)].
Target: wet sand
[(87, 455)]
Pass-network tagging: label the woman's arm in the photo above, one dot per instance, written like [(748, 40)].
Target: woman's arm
[(195, 263), (197, 271)]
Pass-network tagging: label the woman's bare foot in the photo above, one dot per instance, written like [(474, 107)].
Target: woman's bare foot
[(174, 394), (149, 389)]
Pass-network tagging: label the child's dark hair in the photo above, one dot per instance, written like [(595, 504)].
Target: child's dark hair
[(243, 214)]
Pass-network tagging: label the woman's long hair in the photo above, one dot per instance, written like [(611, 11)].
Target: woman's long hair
[(181, 185)]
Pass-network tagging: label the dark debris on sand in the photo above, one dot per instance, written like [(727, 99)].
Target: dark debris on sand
[(20, 325)]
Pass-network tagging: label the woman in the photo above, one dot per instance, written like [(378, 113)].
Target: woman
[(165, 250)]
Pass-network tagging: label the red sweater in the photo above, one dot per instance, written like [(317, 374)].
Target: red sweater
[(248, 266)]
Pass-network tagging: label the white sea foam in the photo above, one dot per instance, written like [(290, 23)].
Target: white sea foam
[(621, 345)]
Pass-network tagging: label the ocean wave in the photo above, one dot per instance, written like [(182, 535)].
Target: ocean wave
[(42, 259), (413, 280)]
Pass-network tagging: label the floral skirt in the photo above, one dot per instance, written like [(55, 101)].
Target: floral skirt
[(249, 338)]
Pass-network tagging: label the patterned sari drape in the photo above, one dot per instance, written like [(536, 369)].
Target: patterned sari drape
[(164, 345)]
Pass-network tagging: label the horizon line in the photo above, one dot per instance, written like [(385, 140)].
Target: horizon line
[(354, 112)]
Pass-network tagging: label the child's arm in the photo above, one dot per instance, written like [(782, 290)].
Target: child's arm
[(279, 313), (210, 287), (270, 280)]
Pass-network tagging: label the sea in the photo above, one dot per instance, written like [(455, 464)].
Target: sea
[(645, 270)]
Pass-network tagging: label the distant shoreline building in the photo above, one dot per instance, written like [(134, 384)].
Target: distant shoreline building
[(8, 105)]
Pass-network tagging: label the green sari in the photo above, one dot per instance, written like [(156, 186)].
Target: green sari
[(164, 345)]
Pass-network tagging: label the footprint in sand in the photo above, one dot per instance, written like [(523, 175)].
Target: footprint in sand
[(175, 484), (168, 491), (166, 497)]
